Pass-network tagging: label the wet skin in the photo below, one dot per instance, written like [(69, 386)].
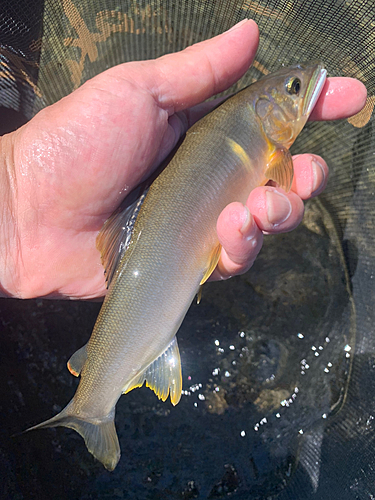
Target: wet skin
[(66, 171)]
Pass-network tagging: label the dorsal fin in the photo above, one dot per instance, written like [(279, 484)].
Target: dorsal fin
[(115, 235), (163, 375)]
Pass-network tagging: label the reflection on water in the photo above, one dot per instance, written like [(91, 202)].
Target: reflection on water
[(276, 381), (266, 359)]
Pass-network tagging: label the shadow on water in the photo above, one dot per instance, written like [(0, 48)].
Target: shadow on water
[(266, 359)]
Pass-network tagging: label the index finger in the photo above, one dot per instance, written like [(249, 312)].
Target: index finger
[(340, 98)]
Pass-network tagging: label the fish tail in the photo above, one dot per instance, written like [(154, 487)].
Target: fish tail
[(99, 434)]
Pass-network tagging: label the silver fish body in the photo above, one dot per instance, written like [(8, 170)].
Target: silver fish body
[(170, 250), (174, 247)]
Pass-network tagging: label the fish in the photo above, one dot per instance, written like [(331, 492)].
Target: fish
[(159, 250)]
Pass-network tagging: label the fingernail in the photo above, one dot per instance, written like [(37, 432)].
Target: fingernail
[(278, 207), (237, 25), (248, 229), (318, 177)]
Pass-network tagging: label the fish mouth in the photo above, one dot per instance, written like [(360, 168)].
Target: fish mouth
[(314, 89)]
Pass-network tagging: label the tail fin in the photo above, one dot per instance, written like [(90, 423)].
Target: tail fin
[(99, 434)]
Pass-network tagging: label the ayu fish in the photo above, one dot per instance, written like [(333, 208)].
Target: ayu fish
[(159, 251)]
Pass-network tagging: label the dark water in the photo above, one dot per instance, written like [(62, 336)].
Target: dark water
[(266, 360)]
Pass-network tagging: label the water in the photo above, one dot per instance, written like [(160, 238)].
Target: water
[(266, 362)]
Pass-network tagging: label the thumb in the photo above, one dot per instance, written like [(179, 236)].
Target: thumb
[(183, 79)]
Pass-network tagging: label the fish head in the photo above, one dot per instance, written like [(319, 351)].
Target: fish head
[(284, 100)]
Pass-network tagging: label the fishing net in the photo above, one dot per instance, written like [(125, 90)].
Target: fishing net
[(279, 388)]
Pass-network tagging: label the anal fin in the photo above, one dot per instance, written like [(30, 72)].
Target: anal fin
[(77, 360), (280, 168), (163, 375)]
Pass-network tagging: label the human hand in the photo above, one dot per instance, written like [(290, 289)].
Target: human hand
[(67, 170)]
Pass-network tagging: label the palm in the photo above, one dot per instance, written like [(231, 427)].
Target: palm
[(98, 146)]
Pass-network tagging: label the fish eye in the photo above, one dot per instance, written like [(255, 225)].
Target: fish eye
[(293, 86)]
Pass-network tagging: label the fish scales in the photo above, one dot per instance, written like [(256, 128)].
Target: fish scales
[(189, 224), (174, 247)]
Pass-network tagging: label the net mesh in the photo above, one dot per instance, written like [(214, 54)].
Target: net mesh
[(48, 49)]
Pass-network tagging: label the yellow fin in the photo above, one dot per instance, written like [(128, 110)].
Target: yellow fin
[(214, 259), (163, 376), (199, 294), (77, 360), (280, 168)]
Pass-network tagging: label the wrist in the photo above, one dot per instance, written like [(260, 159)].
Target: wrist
[(8, 220)]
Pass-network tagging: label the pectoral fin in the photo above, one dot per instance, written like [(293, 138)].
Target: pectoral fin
[(163, 376), (76, 362), (280, 168)]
